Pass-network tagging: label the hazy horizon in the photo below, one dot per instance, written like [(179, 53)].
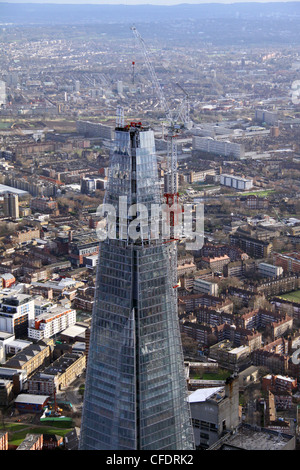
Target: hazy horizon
[(144, 2)]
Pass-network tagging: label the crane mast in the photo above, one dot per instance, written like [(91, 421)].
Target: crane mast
[(171, 180)]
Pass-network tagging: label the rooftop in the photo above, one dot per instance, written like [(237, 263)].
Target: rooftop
[(254, 438), (31, 399), (203, 394)]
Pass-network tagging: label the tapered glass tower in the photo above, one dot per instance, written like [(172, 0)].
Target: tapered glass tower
[(135, 392)]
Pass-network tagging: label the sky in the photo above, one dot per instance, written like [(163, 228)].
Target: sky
[(140, 2)]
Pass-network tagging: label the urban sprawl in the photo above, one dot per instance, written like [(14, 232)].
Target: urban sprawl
[(238, 295)]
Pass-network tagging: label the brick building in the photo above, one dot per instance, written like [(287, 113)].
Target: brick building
[(216, 264), (32, 357), (32, 442), (3, 440), (290, 262), (58, 375), (253, 247), (279, 383)]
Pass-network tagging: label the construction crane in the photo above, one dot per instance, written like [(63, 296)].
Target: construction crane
[(171, 181), (184, 110)]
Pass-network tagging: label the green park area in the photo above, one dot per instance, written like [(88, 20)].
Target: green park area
[(17, 432), (292, 296), (259, 193), (220, 374)]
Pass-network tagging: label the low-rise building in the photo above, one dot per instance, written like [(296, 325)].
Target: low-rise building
[(32, 357), (205, 287), (216, 263), (236, 182), (247, 437), (28, 403), (269, 270), (32, 442), (214, 412), (3, 440), (58, 375)]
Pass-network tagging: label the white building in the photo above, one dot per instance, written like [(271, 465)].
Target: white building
[(11, 345), (236, 182), (120, 87), (51, 323), (2, 93), (41, 305), (205, 287), (269, 117), (15, 313), (218, 147), (269, 270), (91, 261)]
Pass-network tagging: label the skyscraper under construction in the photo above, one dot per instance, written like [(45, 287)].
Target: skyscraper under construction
[(135, 392)]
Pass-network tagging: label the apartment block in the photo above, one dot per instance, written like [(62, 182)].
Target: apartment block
[(290, 308), (188, 303), (11, 205), (95, 129), (58, 375), (269, 117), (43, 204), (196, 176), (256, 202), (273, 356), (16, 311), (279, 382), (26, 234), (236, 182), (83, 245), (218, 147), (201, 333), (274, 323), (7, 279), (49, 324), (278, 285), (290, 262), (205, 287), (31, 358), (269, 270), (212, 316), (238, 268), (239, 336), (252, 246), (226, 353)]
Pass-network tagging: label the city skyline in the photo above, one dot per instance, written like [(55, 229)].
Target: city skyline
[(126, 334)]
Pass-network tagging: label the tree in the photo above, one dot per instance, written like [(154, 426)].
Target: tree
[(229, 282), (189, 345)]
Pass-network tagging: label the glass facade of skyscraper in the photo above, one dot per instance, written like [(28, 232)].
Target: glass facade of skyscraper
[(135, 393)]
